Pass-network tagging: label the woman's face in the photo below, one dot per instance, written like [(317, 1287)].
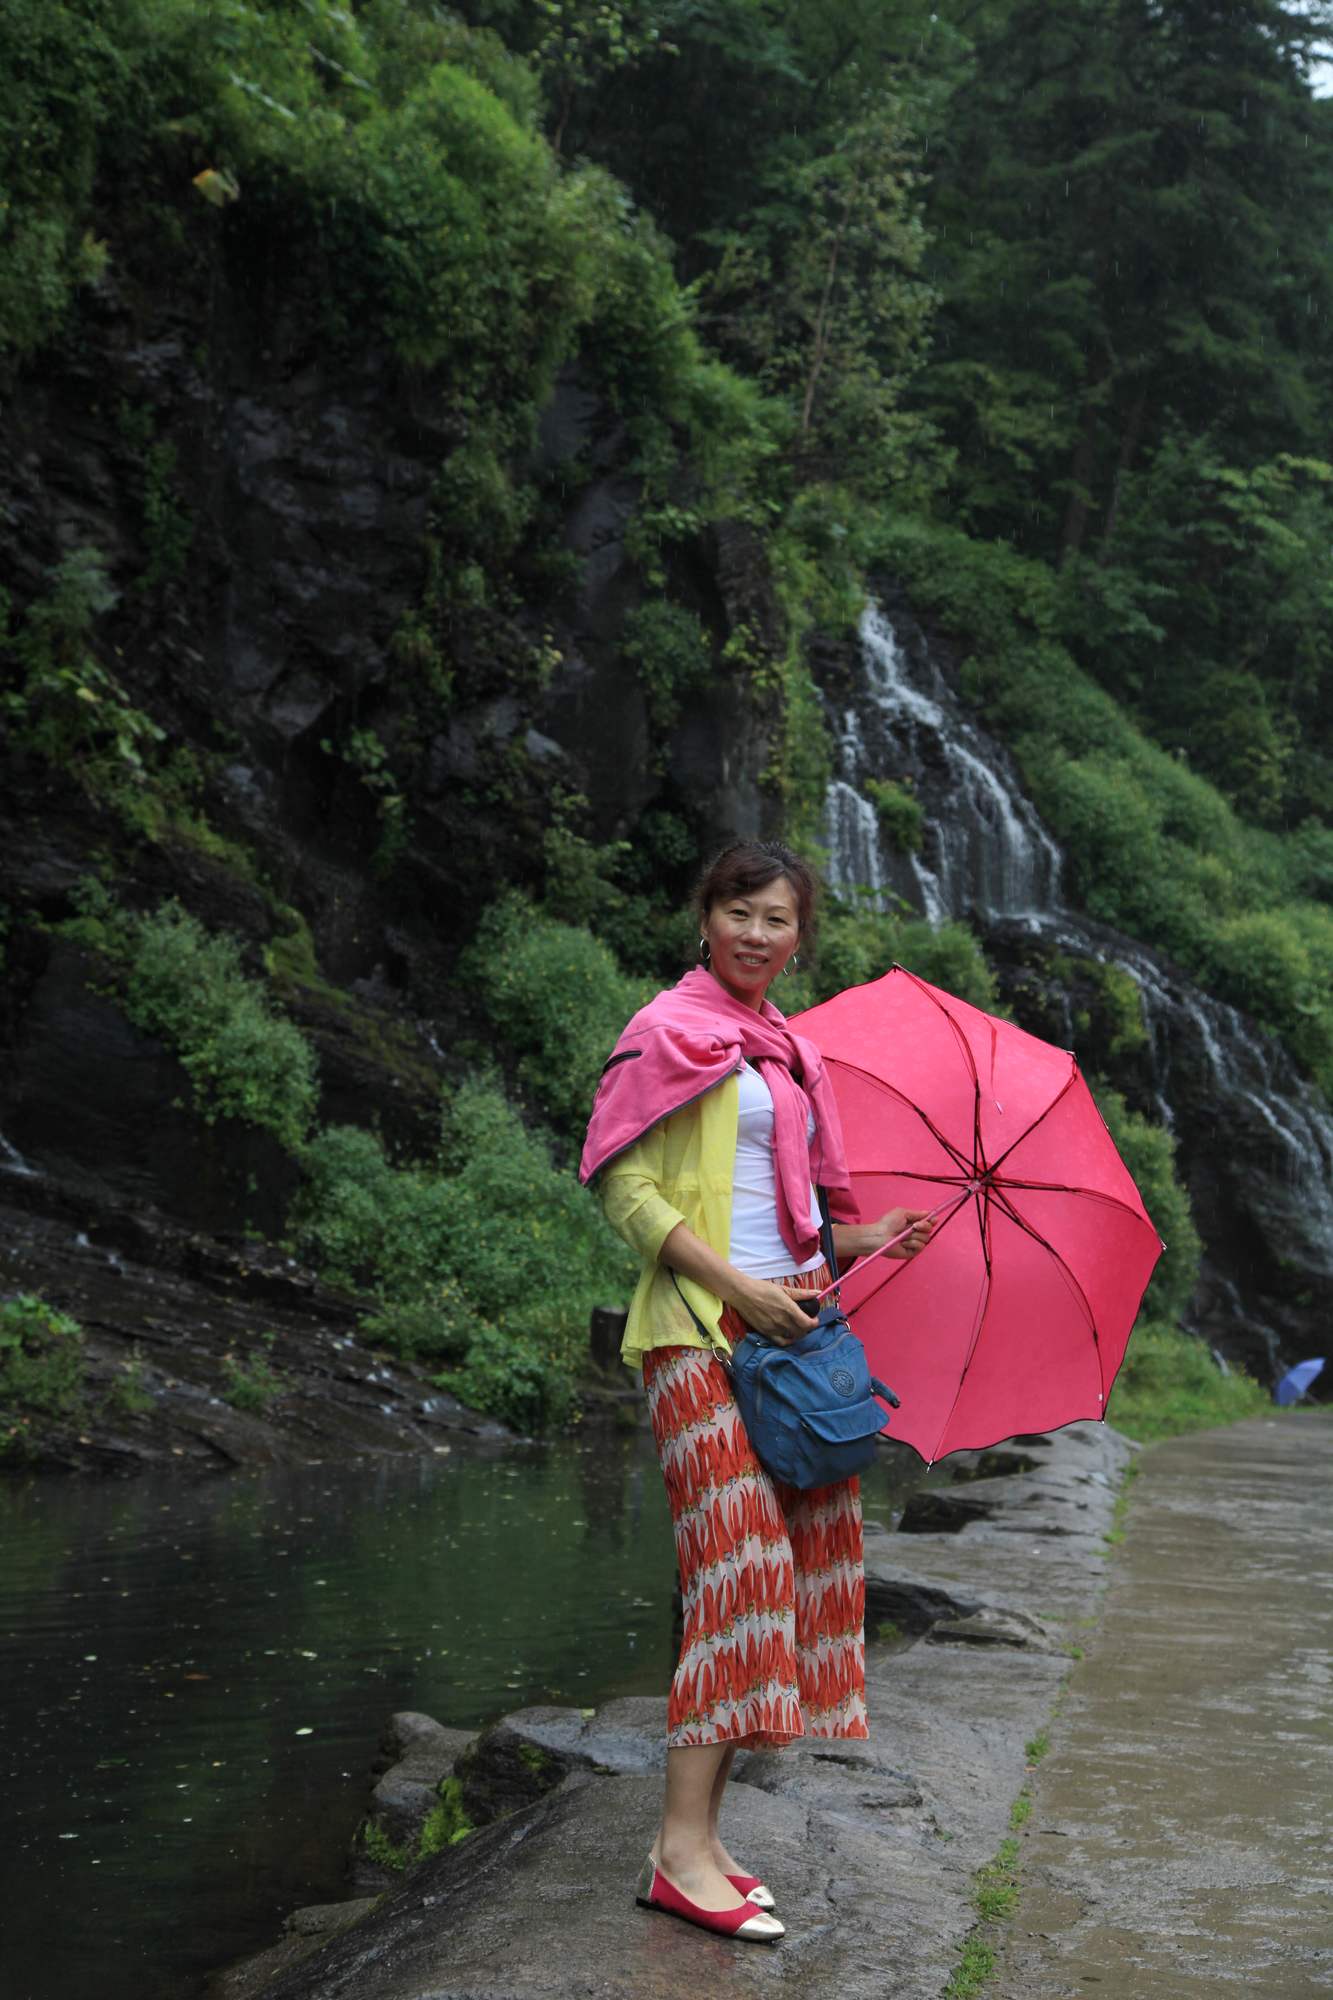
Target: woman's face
[(751, 937)]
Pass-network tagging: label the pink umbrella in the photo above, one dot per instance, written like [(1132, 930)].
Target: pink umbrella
[(1016, 1315)]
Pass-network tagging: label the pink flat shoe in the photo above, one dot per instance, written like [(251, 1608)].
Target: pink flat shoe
[(754, 1891), (745, 1921)]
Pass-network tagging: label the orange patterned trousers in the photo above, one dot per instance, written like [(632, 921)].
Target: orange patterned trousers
[(772, 1577)]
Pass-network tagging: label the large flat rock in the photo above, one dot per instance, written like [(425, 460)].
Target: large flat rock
[(542, 1904)]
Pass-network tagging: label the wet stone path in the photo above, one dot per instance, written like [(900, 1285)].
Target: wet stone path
[(1181, 1841)]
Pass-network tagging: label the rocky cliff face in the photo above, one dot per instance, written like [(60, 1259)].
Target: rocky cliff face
[(267, 517)]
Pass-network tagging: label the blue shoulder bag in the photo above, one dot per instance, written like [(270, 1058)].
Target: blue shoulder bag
[(809, 1408)]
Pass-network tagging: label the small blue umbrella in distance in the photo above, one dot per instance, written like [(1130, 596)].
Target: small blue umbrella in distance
[(1297, 1380)]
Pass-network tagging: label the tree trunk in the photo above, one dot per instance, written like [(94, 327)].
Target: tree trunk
[(821, 326), (1129, 439), (1082, 464)]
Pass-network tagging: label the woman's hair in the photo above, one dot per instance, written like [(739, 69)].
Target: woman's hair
[(748, 865)]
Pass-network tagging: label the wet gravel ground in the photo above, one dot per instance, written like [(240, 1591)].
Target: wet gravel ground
[(1180, 1841)]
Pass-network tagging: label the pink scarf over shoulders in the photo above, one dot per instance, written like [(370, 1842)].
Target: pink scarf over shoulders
[(688, 1040)]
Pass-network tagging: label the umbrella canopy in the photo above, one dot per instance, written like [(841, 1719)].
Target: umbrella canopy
[(1297, 1380), (1015, 1316)]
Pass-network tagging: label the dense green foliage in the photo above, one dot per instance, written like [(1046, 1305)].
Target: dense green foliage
[(558, 997), (186, 984), (1170, 1384), (855, 944), (41, 1365), (901, 815), (252, 1383), (489, 1256), (62, 701), (1148, 1151)]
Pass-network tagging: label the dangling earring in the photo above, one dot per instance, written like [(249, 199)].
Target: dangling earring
[(705, 952), (795, 959)]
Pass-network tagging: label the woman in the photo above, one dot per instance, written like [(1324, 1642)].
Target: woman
[(712, 1125)]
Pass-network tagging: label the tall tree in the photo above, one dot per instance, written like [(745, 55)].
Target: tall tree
[(1122, 204)]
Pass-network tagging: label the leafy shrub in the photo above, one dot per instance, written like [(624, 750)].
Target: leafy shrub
[(1309, 853), (491, 1255), (246, 1061), (507, 1377), (372, 1225), (1170, 1383), (64, 704), (532, 1250), (64, 72), (1259, 961), (857, 944), (446, 1823), (1149, 1152), (1119, 1007), (558, 997), (41, 1355), (668, 649), (253, 1383), (444, 1826), (129, 1393), (439, 1324), (182, 982), (900, 813)]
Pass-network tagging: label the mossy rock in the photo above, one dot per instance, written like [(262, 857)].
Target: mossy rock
[(504, 1771)]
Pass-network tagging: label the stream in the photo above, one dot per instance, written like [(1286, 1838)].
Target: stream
[(193, 1678)]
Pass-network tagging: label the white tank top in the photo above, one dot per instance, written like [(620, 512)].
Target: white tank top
[(757, 1247)]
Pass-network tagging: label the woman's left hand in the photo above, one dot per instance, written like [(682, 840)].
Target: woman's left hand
[(893, 1224)]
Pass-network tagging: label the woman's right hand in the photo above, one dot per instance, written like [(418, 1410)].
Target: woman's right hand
[(772, 1309)]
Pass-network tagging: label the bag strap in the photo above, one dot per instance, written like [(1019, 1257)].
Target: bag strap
[(713, 1342), (826, 1232)]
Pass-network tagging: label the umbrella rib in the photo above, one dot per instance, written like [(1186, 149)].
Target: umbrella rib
[(1060, 1095), (978, 1157), (891, 1090), (978, 1318), (1085, 1193), (910, 1174)]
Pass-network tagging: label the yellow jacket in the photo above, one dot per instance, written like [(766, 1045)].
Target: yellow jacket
[(681, 1170)]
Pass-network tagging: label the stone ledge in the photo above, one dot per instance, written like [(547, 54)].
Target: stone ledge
[(870, 1846)]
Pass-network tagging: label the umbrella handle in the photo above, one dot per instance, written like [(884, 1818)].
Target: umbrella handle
[(955, 1201)]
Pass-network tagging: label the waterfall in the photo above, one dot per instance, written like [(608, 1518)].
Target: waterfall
[(12, 1161), (1254, 1138), (986, 849), (1226, 1067)]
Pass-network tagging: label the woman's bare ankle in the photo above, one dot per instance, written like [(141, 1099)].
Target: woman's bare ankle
[(723, 1858), (690, 1865)]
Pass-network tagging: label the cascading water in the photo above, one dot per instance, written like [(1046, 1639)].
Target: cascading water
[(1267, 1193), (989, 853), (12, 1161)]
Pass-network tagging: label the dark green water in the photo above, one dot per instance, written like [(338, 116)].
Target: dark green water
[(193, 1679)]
